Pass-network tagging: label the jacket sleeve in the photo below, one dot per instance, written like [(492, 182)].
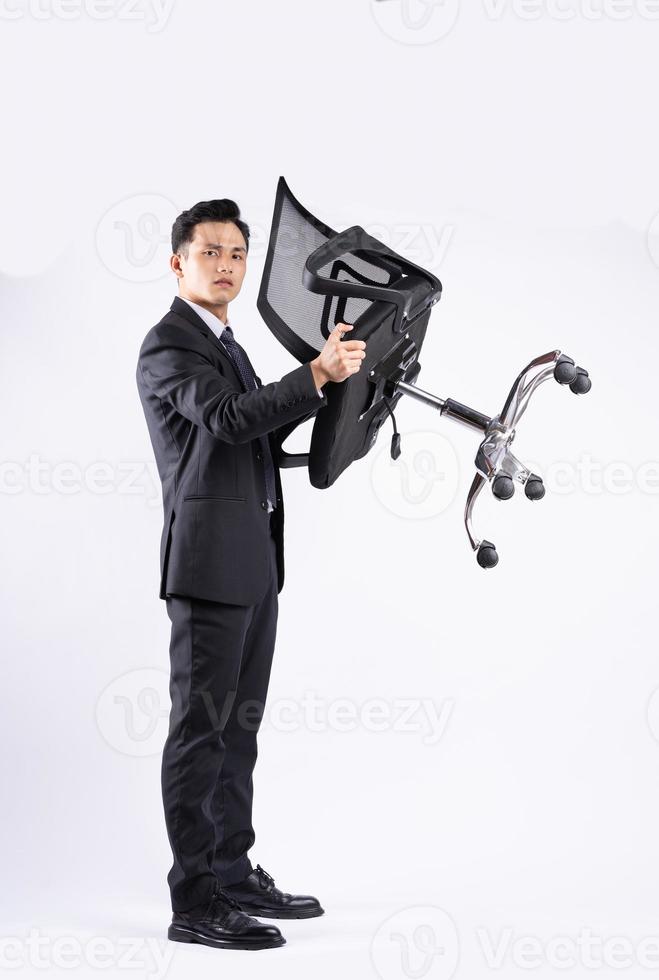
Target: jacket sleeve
[(282, 432), (177, 370)]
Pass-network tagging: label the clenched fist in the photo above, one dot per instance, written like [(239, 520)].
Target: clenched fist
[(339, 358)]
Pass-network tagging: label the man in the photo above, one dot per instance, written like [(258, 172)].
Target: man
[(216, 434)]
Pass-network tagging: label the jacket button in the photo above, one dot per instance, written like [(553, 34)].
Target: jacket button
[(259, 455), (264, 504)]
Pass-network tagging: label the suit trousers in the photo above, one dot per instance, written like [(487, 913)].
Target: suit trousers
[(220, 659)]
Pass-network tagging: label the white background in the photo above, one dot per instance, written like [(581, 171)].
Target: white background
[(512, 149)]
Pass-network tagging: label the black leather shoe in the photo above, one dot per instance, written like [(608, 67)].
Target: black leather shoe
[(223, 924), (258, 896)]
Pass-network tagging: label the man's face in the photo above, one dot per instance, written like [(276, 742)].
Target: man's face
[(213, 272)]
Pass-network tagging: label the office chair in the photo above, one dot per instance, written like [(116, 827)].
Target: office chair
[(315, 278)]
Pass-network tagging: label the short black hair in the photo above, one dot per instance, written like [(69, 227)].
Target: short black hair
[(223, 209)]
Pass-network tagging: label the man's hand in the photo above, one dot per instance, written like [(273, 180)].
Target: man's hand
[(339, 358)]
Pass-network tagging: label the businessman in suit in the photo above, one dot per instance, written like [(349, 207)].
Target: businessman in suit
[(216, 433)]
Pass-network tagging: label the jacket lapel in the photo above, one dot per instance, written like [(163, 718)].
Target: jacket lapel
[(180, 307)]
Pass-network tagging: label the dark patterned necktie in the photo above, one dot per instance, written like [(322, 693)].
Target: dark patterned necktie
[(248, 378)]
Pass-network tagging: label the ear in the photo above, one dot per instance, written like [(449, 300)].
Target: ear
[(175, 265)]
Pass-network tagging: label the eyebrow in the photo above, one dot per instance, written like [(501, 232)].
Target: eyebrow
[(234, 248)]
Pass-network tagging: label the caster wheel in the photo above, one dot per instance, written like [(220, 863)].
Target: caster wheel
[(565, 370), (503, 487), (486, 556), (581, 383), (534, 488)]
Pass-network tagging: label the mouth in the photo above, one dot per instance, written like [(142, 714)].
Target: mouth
[(223, 282)]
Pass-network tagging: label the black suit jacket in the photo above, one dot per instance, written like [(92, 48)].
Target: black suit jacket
[(204, 431)]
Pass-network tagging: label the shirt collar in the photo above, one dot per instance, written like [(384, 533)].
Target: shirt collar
[(212, 321)]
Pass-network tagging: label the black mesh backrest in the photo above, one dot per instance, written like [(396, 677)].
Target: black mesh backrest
[(302, 319)]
